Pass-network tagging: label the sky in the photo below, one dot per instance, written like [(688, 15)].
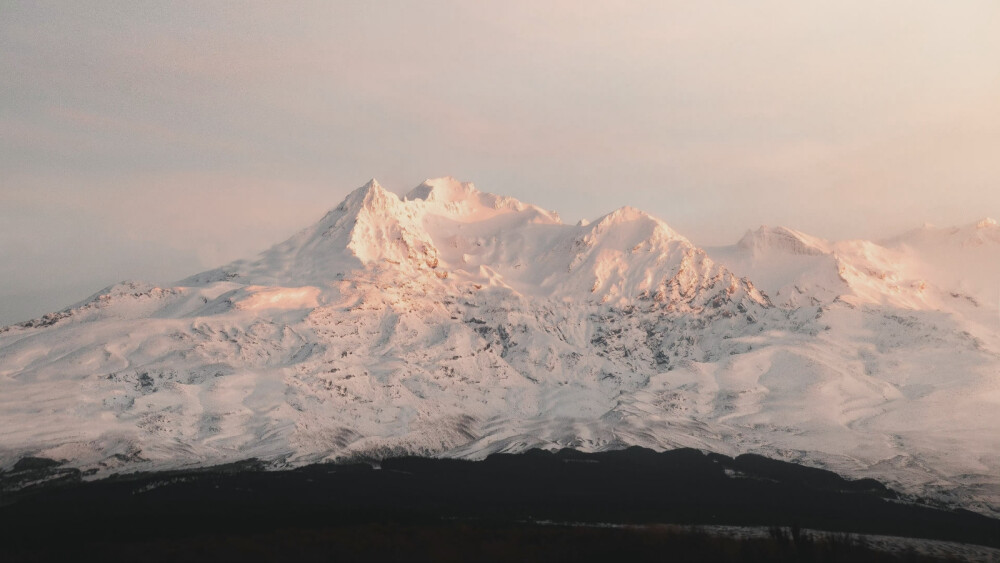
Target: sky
[(150, 141)]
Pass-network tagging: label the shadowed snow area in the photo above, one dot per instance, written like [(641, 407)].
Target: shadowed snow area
[(460, 323)]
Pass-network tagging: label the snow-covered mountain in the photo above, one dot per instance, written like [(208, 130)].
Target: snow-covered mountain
[(456, 322)]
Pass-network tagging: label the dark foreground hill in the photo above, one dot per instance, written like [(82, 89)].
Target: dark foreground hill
[(535, 505)]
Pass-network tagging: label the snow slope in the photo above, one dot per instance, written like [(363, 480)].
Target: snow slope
[(455, 322)]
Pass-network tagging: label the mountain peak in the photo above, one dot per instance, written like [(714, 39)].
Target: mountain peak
[(629, 214), (781, 239), (462, 201), (371, 195), (985, 231), (446, 189)]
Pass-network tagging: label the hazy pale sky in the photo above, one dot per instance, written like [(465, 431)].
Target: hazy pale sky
[(154, 140)]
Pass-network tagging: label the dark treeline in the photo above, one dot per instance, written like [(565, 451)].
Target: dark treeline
[(420, 508)]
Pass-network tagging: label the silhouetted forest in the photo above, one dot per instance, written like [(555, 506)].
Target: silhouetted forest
[(505, 507)]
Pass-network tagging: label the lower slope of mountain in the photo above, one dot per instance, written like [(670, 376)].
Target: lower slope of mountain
[(458, 323)]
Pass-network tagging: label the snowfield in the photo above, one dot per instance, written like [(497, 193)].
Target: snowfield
[(454, 322)]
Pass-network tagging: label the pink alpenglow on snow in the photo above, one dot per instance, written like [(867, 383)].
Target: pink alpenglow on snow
[(456, 322)]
